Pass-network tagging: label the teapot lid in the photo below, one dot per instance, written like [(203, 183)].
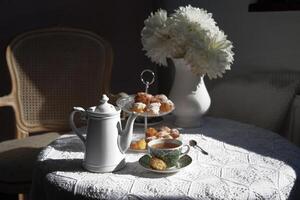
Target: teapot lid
[(104, 107)]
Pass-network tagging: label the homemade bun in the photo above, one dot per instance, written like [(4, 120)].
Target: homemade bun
[(158, 164), (154, 104), (143, 98), (138, 107)]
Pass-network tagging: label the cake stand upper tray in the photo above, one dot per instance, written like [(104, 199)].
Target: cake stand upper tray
[(125, 103)]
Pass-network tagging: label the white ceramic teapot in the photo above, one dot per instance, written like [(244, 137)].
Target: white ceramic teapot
[(105, 141)]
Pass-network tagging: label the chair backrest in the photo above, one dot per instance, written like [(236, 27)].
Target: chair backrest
[(53, 70)]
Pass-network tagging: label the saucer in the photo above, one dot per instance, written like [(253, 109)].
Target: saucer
[(183, 162)]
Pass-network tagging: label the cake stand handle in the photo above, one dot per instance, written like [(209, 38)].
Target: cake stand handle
[(147, 84)]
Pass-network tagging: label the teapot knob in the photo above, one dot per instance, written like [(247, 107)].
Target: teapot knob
[(104, 107), (104, 99)]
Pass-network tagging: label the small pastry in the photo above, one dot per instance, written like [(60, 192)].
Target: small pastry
[(167, 137), (143, 97), (153, 108), (138, 145), (138, 107), (142, 144), (151, 132), (155, 100), (162, 134), (158, 164), (162, 97), (175, 133), (148, 139), (166, 106), (134, 145), (165, 128)]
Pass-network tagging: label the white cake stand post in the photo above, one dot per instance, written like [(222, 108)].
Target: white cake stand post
[(147, 80)]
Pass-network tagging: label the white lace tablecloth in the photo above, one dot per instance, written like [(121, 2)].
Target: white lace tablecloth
[(244, 162)]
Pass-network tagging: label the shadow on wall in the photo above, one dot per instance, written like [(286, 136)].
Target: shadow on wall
[(119, 22)]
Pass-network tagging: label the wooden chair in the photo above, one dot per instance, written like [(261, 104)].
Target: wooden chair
[(51, 70)]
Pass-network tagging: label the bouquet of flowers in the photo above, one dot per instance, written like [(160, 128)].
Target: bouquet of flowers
[(189, 33)]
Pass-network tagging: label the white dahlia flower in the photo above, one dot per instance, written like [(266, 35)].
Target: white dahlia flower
[(189, 33)]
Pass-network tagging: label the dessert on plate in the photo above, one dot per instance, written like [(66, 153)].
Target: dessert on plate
[(153, 104), (157, 164), (152, 134)]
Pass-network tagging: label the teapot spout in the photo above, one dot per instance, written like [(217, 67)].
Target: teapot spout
[(125, 135)]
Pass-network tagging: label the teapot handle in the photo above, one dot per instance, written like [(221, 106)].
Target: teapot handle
[(72, 124)]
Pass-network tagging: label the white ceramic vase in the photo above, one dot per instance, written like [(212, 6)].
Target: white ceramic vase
[(189, 95)]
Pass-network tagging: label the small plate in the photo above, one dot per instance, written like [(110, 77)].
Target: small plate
[(183, 162), (140, 121), (125, 104), (137, 150)]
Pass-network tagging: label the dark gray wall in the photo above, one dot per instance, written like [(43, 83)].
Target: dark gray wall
[(119, 22)]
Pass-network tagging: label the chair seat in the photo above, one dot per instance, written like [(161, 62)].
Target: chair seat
[(17, 159)]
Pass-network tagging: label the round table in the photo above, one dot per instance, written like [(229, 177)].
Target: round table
[(244, 162)]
